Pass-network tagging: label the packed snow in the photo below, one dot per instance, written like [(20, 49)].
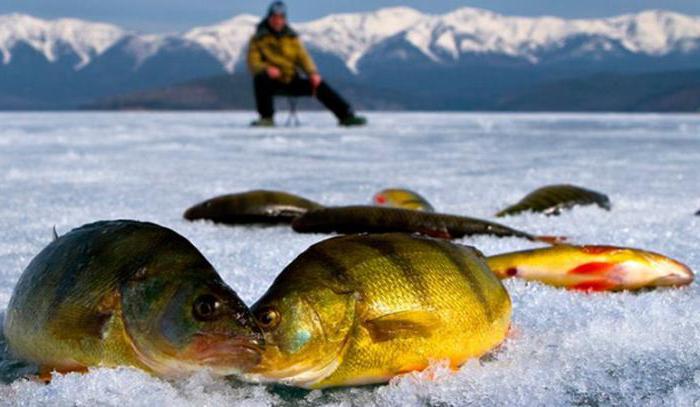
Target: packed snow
[(350, 36), (67, 169)]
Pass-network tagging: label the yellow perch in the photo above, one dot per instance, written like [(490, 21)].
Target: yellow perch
[(128, 293), (361, 309), (592, 268), (402, 198)]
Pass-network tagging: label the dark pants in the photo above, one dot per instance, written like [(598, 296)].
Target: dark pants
[(266, 88)]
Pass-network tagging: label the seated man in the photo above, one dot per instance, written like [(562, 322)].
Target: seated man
[(275, 54)]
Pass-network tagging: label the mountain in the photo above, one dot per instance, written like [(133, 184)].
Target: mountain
[(676, 91), (466, 59)]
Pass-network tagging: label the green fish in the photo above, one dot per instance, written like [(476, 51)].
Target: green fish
[(130, 293), (374, 219), (552, 199), (260, 206)]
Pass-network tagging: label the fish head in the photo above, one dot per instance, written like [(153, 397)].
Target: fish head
[(667, 272), (205, 210), (182, 323), (306, 326)]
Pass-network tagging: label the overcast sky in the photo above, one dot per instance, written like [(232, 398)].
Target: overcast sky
[(178, 15)]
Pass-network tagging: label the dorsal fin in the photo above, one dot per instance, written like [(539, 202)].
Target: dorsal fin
[(55, 234)]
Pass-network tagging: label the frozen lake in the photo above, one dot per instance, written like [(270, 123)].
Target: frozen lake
[(67, 169)]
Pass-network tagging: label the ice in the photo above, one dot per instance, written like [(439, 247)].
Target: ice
[(67, 169)]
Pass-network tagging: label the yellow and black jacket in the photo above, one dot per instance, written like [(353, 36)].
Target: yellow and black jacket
[(283, 50)]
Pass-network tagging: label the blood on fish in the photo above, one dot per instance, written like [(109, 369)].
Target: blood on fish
[(592, 268), (512, 272), (381, 199)]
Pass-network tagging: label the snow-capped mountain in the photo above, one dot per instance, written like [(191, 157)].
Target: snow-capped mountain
[(51, 38), (350, 36), (399, 48), (475, 31)]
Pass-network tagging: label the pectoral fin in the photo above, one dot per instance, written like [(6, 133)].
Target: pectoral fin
[(403, 324)]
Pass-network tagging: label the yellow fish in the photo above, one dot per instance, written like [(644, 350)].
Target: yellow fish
[(592, 268), (362, 309), (402, 198)]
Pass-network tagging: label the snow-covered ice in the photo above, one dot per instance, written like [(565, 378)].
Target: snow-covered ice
[(67, 169)]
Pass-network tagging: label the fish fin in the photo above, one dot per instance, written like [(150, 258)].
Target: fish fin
[(46, 373), (553, 240), (594, 285), (594, 267), (441, 233), (54, 233), (599, 249), (401, 325)]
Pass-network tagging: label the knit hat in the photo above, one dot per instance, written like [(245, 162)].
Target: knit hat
[(277, 7)]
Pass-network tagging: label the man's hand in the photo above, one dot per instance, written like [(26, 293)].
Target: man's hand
[(315, 80), (273, 72)]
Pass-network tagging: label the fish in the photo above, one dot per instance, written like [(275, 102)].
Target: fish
[(259, 206), (552, 199), (373, 219), (128, 293), (402, 198), (592, 268), (361, 309)]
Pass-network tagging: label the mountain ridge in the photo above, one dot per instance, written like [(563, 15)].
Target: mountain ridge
[(467, 58), (351, 35)]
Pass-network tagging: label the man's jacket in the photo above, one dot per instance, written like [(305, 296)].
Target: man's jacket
[(283, 50)]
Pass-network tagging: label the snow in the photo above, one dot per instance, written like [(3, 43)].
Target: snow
[(350, 36), (651, 32), (227, 40), (85, 39), (67, 169)]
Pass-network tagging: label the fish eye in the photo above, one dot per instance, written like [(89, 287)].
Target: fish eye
[(268, 318), (206, 307)]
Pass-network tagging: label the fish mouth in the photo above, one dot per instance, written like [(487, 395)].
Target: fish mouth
[(674, 280), (678, 274), (227, 355), (192, 213)]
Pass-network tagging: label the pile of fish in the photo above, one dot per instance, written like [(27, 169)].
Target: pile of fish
[(388, 297)]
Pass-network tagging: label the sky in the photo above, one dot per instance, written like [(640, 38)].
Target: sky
[(179, 15)]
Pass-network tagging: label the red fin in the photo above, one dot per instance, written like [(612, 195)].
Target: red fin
[(437, 233), (594, 285), (592, 268), (590, 249), (551, 239)]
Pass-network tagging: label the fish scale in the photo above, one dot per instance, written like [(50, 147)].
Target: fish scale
[(408, 299), (123, 292), (552, 198)]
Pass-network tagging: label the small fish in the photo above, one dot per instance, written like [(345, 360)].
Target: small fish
[(374, 219), (592, 268), (361, 309), (402, 198), (128, 293), (260, 206), (552, 199)]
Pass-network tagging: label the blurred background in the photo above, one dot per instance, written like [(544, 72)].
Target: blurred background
[(540, 55)]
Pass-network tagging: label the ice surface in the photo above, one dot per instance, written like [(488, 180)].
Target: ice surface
[(68, 169)]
